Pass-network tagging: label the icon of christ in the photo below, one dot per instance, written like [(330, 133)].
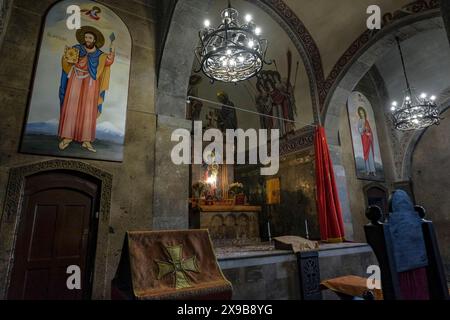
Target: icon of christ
[(85, 79)]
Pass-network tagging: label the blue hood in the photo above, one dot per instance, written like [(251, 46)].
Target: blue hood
[(407, 235)]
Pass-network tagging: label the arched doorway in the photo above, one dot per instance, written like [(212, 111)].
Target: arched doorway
[(79, 182), (58, 229)]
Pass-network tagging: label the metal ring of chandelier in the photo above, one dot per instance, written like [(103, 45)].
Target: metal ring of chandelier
[(416, 113), (231, 52)]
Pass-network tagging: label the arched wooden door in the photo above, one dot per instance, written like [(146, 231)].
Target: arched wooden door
[(57, 229)]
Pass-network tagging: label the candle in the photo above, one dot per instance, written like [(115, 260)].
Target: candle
[(306, 228)]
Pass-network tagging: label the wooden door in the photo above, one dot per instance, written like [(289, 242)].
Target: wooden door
[(57, 230)]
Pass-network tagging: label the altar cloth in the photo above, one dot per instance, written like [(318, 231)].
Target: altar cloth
[(159, 265)]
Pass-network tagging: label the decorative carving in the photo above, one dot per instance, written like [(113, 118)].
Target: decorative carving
[(409, 9), (308, 49), (17, 181), (311, 275), (301, 141)]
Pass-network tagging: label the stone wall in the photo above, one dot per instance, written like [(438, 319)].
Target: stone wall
[(132, 189), (372, 87), (431, 181), (298, 201)]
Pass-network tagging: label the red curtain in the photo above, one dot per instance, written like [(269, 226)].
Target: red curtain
[(327, 198)]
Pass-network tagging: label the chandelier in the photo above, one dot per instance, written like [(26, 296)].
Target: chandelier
[(232, 52), (415, 112)]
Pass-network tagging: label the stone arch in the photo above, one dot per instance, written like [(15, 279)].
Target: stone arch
[(10, 220), (170, 210), (183, 33), (381, 43)]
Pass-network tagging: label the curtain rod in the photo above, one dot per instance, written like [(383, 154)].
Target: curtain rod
[(220, 105)]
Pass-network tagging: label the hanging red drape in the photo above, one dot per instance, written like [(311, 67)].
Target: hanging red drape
[(327, 198)]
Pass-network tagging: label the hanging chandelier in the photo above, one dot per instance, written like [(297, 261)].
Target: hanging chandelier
[(415, 112), (233, 51)]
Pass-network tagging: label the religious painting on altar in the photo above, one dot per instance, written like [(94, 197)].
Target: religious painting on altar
[(366, 147), (79, 97), (273, 190)]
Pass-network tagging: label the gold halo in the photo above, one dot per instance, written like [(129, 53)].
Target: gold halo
[(88, 29)]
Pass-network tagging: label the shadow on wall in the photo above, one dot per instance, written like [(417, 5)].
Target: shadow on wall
[(431, 180)]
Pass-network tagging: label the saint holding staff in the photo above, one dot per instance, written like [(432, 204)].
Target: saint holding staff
[(85, 79)]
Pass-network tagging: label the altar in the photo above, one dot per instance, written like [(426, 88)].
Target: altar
[(231, 224)]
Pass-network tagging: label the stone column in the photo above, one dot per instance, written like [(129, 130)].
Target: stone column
[(332, 131), (341, 181), (171, 183)]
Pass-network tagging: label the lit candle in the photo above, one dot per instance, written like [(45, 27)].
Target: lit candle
[(306, 228), (269, 232)]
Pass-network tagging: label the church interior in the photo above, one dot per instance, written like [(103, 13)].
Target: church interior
[(216, 149)]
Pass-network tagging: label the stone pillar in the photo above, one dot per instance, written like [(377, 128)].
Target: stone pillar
[(332, 131), (341, 181), (171, 184)]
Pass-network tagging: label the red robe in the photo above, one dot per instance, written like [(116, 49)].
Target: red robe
[(367, 140)]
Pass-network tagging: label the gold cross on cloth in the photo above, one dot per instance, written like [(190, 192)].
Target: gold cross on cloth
[(178, 266)]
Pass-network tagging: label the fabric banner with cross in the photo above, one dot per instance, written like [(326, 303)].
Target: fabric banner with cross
[(159, 265)]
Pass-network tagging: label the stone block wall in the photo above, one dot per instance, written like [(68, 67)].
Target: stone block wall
[(132, 188)]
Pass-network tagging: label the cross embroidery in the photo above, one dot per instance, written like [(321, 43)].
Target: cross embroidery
[(178, 266)]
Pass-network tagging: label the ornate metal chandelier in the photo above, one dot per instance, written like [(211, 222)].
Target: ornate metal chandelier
[(232, 52), (415, 112)]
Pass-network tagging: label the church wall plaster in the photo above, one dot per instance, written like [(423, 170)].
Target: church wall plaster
[(132, 186)]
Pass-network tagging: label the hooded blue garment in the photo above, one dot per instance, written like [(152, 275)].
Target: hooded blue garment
[(407, 235)]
